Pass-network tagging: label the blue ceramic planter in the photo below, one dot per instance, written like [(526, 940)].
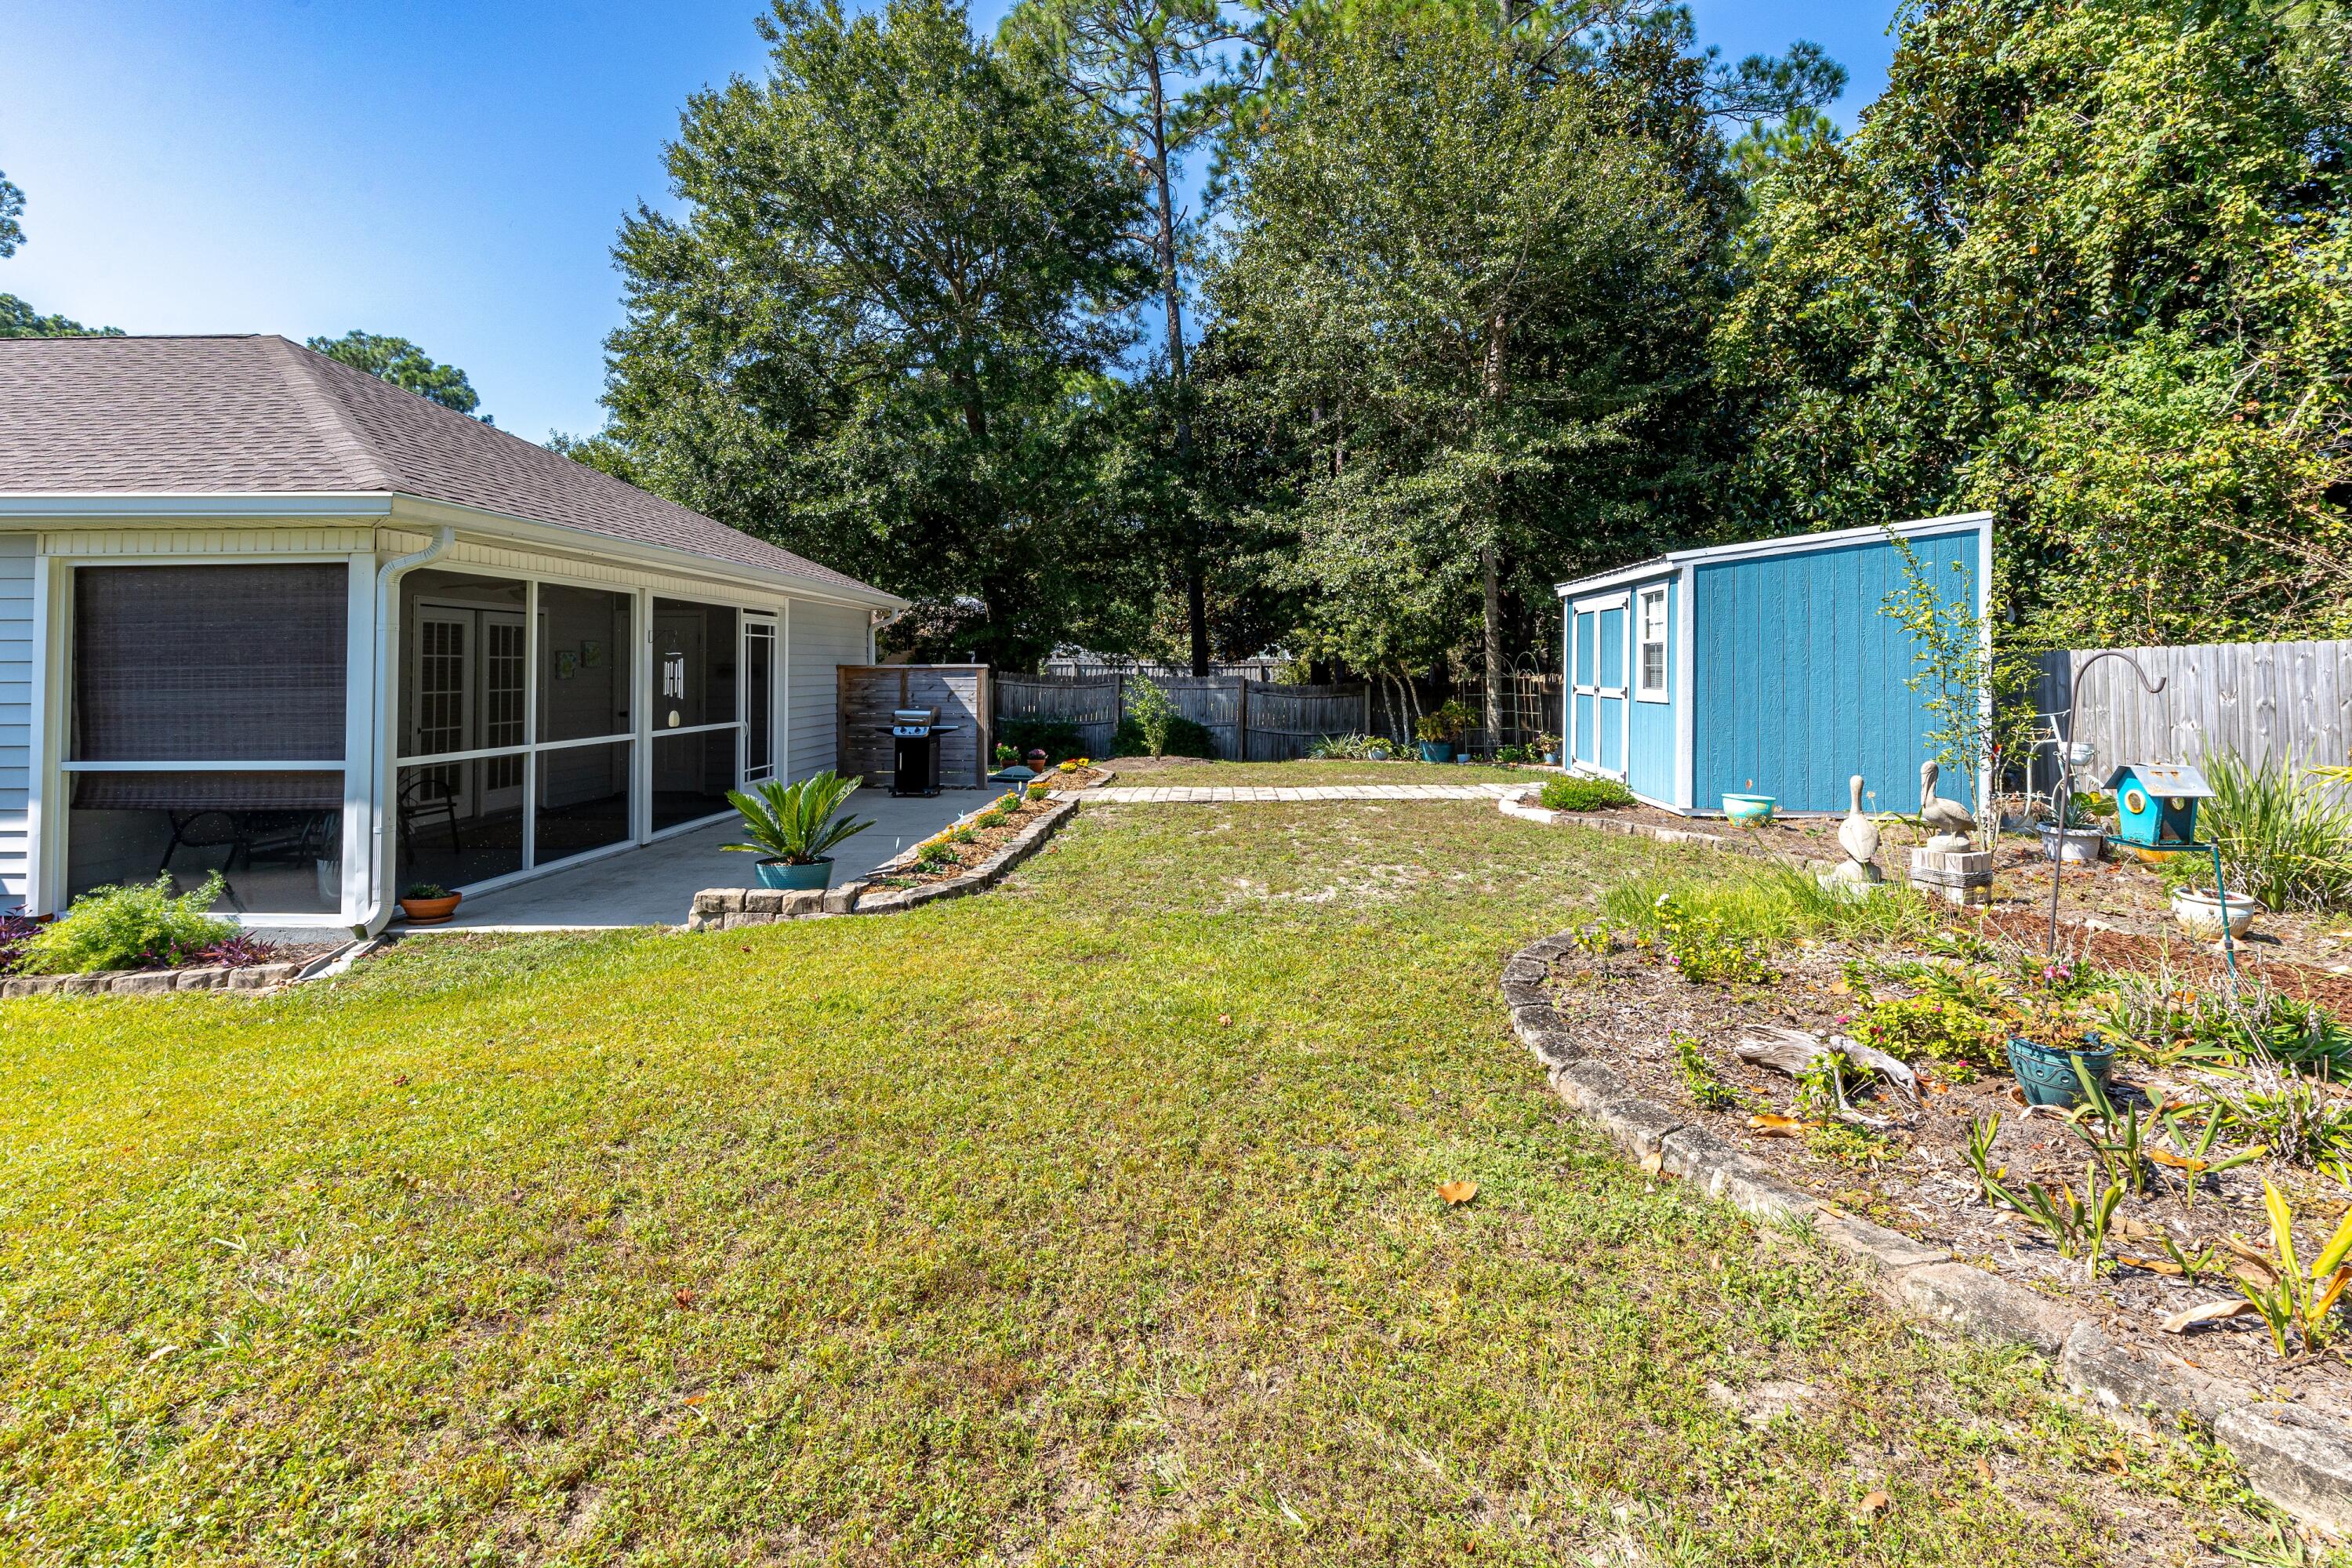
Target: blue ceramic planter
[(1437, 751), (777, 874), (2047, 1075)]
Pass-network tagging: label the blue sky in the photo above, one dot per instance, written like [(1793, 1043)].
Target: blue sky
[(451, 173)]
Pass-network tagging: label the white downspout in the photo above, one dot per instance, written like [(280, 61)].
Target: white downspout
[(375, 904)]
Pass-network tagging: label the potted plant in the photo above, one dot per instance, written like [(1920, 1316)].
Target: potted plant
[(428, 903), (793, 828), (2058, 1070), (2080, 839), (1549, 745), (1438, 729), (1037, 759)]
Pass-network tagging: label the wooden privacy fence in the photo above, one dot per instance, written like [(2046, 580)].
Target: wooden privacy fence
[(1247, 720), (866, 693), (2286, 701)]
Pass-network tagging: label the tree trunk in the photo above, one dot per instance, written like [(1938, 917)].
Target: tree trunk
[(1172, 296), (1494, 386)]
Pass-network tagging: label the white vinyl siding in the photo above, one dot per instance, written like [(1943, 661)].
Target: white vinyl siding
[(824, 637), (16, 551)]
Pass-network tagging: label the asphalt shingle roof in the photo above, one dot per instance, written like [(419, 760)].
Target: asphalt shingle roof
[(210, 415)]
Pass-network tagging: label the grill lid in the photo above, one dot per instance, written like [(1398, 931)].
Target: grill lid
[(914, 715)]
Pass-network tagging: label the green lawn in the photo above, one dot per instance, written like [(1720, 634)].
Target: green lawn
[(1307, 771), (1092, 1221)]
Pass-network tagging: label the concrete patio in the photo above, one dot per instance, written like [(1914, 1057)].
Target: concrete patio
[(656, 883)]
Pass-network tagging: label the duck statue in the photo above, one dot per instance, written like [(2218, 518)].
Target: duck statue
[(1947, 820)]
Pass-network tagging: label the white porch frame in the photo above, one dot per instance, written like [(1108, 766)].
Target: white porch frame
[(116, 531)]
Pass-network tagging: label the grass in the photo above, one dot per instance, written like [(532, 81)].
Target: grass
[(1313, 772), (1091, 1222)]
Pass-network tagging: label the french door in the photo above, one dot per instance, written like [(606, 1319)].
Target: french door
[(468, 673)]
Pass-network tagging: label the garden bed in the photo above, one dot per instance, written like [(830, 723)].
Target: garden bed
[(2306, 954), (172, 943), (1945, 1007)]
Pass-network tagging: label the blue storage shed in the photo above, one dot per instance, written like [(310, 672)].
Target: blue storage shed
[(1768, 667)]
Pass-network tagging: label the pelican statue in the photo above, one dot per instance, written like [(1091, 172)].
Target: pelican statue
[(1949, 820)]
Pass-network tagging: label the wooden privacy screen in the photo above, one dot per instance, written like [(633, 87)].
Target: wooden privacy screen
[(867, 692), (1253, 721)]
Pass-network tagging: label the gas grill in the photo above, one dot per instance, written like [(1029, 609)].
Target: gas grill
[(914, 750)]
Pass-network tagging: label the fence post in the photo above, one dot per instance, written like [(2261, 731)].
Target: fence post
[(1242, 742)]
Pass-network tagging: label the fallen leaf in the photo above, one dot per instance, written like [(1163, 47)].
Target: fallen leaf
[(2153, 1264), (2211, 1313), (2177, 1162), (1838, 987), (2016, 1095), (1935, 1086), (1875, 1504), (2116, 1463), (1984, 1468), (696, 1398), (1224, 1018), (400, 1081), (1769, 1125), (1457, 1192), (682, 1295), (1652, 1163)]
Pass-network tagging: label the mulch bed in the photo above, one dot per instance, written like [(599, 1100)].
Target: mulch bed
[(1627, 1004), (905, 872)]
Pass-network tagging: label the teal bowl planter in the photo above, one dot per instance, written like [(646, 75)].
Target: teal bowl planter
[(799, 879), (2047, 1075), (1437, 751), (1748, 810)]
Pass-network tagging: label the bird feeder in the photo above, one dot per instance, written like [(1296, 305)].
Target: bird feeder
[(2155, 803)]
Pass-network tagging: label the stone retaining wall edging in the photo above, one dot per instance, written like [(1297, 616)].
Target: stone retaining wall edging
[(2299, 1461), (154, 982), (728, 908)]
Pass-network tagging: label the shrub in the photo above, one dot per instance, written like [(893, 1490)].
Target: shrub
[(2284, 840), (1184, 738), (1701, 948), (15, 931), (141, 926), (1444, 723), (1585, 794), (1353, 748), (1951, 1035), (1057, 738)]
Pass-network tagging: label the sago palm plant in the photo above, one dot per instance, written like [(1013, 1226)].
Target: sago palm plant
[(797, 824)]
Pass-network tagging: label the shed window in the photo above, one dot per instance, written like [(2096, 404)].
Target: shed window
[(1652, 662)]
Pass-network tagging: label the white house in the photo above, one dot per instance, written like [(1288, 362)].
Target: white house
[(265, 613)]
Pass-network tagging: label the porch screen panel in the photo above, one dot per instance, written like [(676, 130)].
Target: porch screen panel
[(209, 663)]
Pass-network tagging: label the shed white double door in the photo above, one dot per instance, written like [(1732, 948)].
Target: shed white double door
[(1596, 695), (470, 677)]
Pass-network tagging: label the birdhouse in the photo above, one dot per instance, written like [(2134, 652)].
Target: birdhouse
[(2155, 803)]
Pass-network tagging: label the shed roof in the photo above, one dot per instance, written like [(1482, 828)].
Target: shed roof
[(1674, 561), (258, 413)]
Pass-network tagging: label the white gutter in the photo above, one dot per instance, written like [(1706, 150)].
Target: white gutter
[(375, 904)]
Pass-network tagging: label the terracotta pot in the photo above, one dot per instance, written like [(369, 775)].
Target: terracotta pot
[(430, 911)]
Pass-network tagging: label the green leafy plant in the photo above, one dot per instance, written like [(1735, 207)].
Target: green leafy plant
[(1706, 1087), (1597, 938), (1585, 794), (798, 823), (136, 926), (1848, 1144), (1445, 722), (2286, 1295), (934, 856), (1978, 1151), (1154, 715), (2283, 838), (1948, 1033), (426, 890), (1699, 948), (1353, 748)]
